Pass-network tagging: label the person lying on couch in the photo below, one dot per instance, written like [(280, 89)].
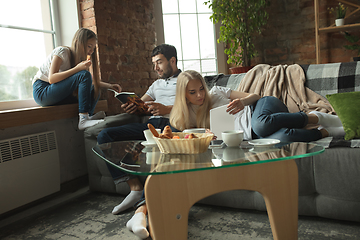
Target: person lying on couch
[(258, 117)]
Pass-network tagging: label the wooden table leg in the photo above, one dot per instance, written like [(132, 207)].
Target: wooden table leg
[(169, 197)]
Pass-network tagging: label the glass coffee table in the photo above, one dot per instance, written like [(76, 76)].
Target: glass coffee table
[(175, 182)]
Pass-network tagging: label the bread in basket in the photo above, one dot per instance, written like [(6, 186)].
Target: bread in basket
[(185, 145), (175, 142)]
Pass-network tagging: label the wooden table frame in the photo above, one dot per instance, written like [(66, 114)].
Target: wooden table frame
[(169, 197)]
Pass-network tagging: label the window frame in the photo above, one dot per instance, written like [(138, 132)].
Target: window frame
[(220, 47)]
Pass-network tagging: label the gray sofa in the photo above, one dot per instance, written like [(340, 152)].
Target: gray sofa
[(328, 183)]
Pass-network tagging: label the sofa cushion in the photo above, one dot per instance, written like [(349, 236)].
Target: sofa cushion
[(347, 108)]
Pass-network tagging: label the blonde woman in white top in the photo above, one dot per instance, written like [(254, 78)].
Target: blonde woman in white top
[(265, 117)]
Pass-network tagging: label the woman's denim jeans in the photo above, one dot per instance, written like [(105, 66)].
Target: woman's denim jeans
[(271, 119), (46, 94)]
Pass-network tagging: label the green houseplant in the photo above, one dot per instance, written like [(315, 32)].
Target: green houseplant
[(339, 12), (240, 21), (354, 44)]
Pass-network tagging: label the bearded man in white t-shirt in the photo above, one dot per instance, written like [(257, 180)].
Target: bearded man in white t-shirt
[(159, 98)]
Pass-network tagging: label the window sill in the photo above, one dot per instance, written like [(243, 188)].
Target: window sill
[(25, 116)]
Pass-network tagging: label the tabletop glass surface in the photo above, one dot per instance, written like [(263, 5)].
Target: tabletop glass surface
[(133, 157)]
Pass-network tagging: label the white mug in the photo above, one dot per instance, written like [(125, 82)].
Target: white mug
[(195, 130), (149, 136), (232, 138)]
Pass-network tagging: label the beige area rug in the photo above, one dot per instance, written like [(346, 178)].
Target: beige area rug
[(89, 217)]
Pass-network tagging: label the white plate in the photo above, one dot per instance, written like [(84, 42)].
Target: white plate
[(146, 144), (264, 142)]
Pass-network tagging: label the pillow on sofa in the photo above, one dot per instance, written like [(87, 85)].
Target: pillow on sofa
[(346, 105)]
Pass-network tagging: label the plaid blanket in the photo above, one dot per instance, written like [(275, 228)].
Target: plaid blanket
[(323, 79), (332, 78)]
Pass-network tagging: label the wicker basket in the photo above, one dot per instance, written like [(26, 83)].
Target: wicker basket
[(185, 146)]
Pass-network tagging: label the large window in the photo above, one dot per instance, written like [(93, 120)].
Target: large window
[(187, 26), (26, 38)]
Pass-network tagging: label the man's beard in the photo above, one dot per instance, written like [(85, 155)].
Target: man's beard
[(167, 72)]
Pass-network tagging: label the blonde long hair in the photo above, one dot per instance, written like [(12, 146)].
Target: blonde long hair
[(78, 52), (179, 116)]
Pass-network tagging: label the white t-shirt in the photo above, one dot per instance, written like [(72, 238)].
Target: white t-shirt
[(61, 52), (221, 96), (163, 91)]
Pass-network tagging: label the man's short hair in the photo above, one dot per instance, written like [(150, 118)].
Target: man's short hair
[(167, 50)]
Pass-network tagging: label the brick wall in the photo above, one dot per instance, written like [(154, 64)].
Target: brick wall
[(290, 34), (126, 36)]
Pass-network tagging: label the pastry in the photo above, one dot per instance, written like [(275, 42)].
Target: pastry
[(153, 130), (167, 133), (191, 136)]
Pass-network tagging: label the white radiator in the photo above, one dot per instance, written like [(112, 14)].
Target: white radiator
[(29, 169)]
